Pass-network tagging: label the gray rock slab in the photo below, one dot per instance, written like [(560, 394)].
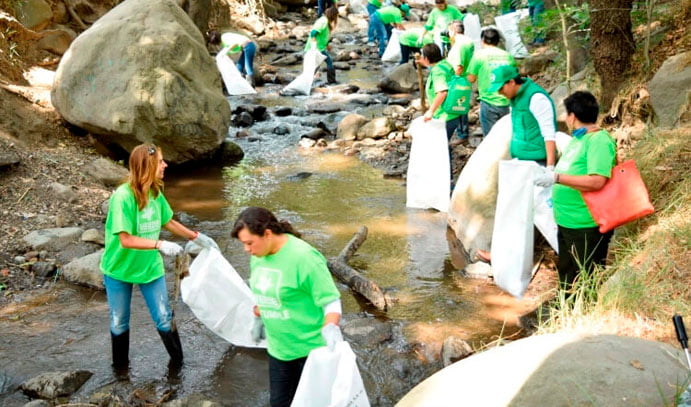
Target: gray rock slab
[(670, 89), (85, 270), (52, 239), (55, 384), (106, 171)]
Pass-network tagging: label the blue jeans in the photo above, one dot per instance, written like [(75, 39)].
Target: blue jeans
[(463, 129), (534, 13), (489, 114), (155, 294), (381, 32), (451, 125), (245, 63), (329, 61), (370, 31), (323, 5)]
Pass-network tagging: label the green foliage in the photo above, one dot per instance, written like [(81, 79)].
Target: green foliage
[(577, 19), (482, 10)]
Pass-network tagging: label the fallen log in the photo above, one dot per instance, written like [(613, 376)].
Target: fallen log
[(356, 281)]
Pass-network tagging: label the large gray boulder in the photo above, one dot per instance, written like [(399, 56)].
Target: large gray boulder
[(142, 73), (559, 370), (402, 79), (85, 271), (670, 90)]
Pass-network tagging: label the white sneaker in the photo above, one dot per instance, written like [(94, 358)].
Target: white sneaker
[(371, 44)]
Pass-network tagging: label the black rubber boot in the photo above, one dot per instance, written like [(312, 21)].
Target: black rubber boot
[(171, 340), (121, 349), (331, 75)]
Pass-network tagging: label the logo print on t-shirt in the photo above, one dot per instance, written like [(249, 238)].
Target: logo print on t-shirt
[(266, 287)]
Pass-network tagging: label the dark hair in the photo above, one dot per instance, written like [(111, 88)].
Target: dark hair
[(432, 53), (583, 105), (257, 220), (213, 37), (458, 26), (519, 80), (490, 36), (331, 14)]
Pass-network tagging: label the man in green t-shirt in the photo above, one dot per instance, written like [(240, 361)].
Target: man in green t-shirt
[(459, 57), (585, 165), (409, 40), (372, 7), (384, 19), (493, 106), (438, 21)]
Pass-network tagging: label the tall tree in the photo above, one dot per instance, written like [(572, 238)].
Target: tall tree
[(612, 44)]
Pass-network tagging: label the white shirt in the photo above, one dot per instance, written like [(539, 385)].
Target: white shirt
[(541, 108)]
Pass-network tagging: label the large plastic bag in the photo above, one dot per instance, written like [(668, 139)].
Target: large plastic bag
[(302, 85), (232, 78), (508, 25), (392, 53), (331, 379), (428, 179), (543, 215), (512, 237), (220, 299), (472, 28)]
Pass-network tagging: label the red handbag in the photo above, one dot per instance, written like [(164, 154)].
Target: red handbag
[(624, 198)]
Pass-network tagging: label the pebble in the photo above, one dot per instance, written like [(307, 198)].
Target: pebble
[(19, 260)]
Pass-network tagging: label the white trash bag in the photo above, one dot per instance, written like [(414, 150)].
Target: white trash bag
[(302, 85), (508, 25), (428, 182), (512, 237), (392, 53), (331, 379), (472, 28), (543, 215), (232, 78), (220, 299)]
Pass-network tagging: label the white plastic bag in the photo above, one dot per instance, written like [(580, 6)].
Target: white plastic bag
[(392, 53), (472, 28), (303, 83), (512, 237), (428, 180), (220, 299), (543, 215), (235, 83), (331, 379), (508, 25)]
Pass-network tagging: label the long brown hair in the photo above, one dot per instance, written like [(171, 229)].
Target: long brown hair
[(331, 15), (257, 220), (143, 173)]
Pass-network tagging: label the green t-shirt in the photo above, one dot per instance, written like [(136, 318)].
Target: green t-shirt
[(461, 52), (482, 64), (593, 154), (375, 3), (390, 14), (411, 36), (439, 20), (233, 42), (291, 288), (438, 81), (135, 266), (321, 27)]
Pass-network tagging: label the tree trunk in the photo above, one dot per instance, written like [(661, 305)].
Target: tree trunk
[(612, 44)]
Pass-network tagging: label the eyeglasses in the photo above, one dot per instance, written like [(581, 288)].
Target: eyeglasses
[(152, 150), (439, 1)]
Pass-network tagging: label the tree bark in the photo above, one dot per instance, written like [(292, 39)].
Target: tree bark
[(356, 281), (612, 44)]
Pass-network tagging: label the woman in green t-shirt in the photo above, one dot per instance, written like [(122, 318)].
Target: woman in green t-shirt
[(137, 210), (297, 301), (319, 38)]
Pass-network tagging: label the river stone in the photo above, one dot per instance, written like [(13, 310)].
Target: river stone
[(55, 384), (281, 130), (85, 270), (243, 119), (348, 127), (106, 172), (56, 41), (321, 107), (286, 60), (229, 153), (193, 400), (559, 370), (670, 90), (37, 403), (367, 332), (403, 79), (454, 349), (94, 236), (377, 128), (9, 158), (33, 14), (315, 134), (62, 192), (158, 85), (52, 239), (283, 111), (43, 268), (578, 82)]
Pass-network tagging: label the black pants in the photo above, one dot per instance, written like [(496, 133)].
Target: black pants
[(284, 377), (407, 52), (580, 249)]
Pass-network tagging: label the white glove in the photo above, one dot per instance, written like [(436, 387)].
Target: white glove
[(544, 178), (332, 335), (169, 248), (258, 332), (205, 242)]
